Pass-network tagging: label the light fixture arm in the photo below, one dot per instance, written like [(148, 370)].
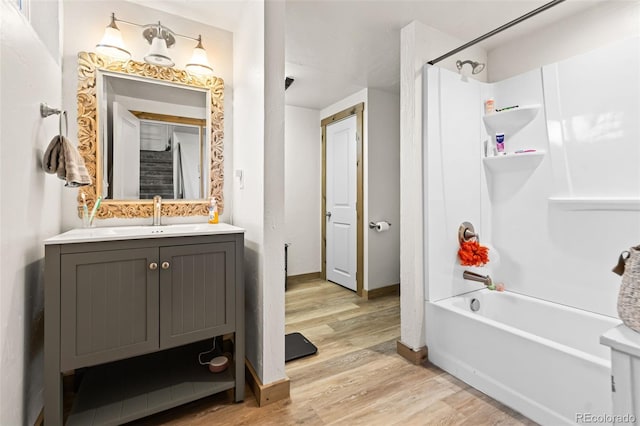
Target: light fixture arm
[(114, 19), (459, 63), (198, 39), (159, 25)]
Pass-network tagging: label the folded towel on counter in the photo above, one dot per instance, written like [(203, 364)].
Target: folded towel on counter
[(62, 158)]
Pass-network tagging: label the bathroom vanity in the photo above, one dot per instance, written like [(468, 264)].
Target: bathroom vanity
[(625, 373), (133, 307)]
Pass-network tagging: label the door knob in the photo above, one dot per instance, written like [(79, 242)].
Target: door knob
[(165, 265), (153, 266), (328, 215)]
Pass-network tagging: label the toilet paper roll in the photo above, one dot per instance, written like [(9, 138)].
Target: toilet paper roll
[(382, 226)]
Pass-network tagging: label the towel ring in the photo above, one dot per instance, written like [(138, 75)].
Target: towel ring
[(66, 124), (46, 110)]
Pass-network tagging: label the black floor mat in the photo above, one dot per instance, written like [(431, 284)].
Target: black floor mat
[(297, 346)]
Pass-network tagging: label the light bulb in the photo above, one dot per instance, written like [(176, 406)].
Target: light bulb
[(112, 44), (159, 54), (199, 63)]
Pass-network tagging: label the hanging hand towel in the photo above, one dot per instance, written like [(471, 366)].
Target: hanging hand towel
[(62, 158)]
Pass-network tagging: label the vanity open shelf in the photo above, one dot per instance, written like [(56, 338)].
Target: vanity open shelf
[(513, 162), (510, 121), (122, 391)]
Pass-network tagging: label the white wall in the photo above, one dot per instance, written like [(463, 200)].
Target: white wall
[(248, 198), (595, 27), (383, 188), (273, 302), (30, 207), (259, 202), (89, 19), (303, 187), (419, 44)]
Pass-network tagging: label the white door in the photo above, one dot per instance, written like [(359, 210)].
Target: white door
[(340, 217), (126, 154)]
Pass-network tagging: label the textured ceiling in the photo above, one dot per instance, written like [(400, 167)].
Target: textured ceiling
[(337, 47)]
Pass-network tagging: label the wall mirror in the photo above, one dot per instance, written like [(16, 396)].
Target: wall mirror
[(145, 130)]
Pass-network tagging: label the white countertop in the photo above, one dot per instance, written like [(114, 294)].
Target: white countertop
[(88, 235), (623, 339)]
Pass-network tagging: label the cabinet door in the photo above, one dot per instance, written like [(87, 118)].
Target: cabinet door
[(109, 306), (197, 292)]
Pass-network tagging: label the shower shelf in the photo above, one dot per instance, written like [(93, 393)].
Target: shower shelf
[(596, 203), (510, 121), (514, 162)]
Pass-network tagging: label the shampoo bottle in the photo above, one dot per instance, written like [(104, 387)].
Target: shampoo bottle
[(213, 210)]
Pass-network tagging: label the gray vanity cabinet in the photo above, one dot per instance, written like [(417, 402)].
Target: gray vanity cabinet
[(195, 302), (109, 305), (137, 313)]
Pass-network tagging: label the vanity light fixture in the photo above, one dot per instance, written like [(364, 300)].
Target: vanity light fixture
[(199, 63), (111, 43), (161, 39)]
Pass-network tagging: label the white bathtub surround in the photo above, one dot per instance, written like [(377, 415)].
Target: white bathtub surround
[(625, 373), (557, 258), (584, 142), (546, 364)]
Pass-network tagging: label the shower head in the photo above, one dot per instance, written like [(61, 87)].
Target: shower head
[(476, 67)]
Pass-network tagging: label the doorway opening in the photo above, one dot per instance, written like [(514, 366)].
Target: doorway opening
[(356, 111)]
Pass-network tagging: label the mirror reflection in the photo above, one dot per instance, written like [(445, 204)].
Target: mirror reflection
[(156, 140)]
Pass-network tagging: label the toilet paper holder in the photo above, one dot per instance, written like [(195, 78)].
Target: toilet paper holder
[(374, 225)]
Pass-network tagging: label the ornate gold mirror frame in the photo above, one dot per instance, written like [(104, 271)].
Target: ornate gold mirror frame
[(88, 127)]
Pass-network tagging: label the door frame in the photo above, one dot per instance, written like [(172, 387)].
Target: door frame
[(358, 111)]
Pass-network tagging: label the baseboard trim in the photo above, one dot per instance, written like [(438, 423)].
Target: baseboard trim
[(301, 278), (40, 419), (269, 393), (416, 357), (382, 291)]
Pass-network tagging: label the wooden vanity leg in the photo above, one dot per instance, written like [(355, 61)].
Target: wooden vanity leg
[(239, 337), (52, 375)]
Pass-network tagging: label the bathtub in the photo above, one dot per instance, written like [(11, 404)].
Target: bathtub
[(539, 358)]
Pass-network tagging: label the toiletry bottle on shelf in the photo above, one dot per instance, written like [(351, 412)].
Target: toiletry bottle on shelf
[(213, 210), (500, 143), (489, 106)]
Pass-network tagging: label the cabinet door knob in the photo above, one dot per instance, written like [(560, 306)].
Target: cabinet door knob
[(165, 265), (153, 266)]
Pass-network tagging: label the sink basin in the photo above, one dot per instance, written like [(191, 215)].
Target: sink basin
[(84, 235)]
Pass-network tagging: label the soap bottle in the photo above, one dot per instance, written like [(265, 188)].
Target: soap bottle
[(213, 210)]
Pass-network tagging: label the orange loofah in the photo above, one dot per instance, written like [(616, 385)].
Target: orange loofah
[(471, 253)]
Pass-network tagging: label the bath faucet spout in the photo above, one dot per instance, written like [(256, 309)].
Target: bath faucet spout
[(157, 210), (472, 276)]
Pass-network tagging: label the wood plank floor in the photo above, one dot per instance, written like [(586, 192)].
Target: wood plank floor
[(357, 378)]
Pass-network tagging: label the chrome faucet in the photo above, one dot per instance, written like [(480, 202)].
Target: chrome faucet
[(157, 210), (472, 276)]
